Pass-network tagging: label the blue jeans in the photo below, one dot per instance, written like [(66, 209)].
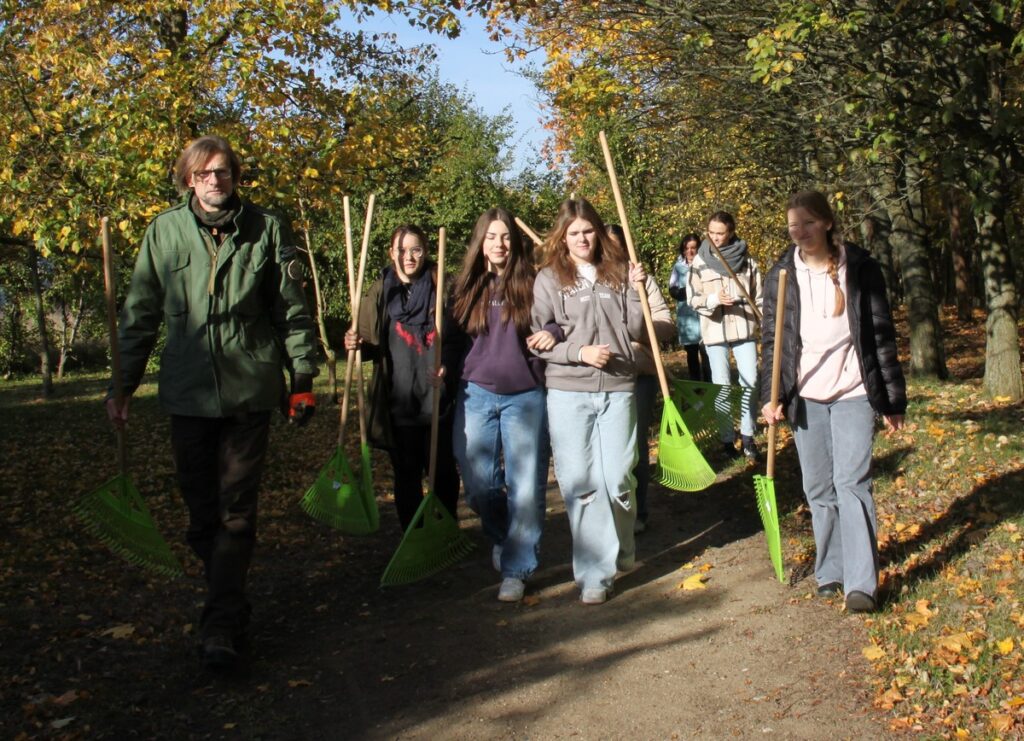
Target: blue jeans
[(745, 354), (594, 443), (509, 498), (833, 441)]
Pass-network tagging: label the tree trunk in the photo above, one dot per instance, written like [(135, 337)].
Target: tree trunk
[(69, 335), (1002, 348), (963, 296), (909, 242), (44, 342), (877, 232)]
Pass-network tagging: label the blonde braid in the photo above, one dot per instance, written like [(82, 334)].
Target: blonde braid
[(833, 273)]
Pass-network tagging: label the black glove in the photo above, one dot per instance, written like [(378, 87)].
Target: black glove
[(302, 402), (677, 292)]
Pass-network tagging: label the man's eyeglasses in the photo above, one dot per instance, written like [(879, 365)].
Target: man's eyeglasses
[(204, 176)]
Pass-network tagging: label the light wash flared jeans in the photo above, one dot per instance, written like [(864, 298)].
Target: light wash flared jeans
[(593, 439), (833, 441)]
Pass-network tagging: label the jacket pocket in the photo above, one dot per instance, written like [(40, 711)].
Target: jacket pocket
[(176, 294), (245, 277)]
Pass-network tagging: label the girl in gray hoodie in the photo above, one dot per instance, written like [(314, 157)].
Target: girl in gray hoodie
[(586, 287)]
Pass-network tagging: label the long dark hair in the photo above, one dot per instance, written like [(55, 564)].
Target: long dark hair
[(609, 257), (691, 237), (817, 205), (474, 288)]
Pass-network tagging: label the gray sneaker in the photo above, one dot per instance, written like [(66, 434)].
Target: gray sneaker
[(594, 596), (511, 590)]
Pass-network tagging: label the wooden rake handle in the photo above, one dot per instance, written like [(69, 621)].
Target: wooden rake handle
[(529, 232), (435, 412), (780, 313), (357, 303), (732, 274), (640, 287), (355, 292), (109, 291)]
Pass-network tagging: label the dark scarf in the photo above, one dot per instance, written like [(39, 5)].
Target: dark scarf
[(223, 219), (735, 253), (411, 304)]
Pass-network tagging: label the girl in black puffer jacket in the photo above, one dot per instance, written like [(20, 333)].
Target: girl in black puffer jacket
[(839, 369)]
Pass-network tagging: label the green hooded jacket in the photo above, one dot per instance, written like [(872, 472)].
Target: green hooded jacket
[(232, 328)]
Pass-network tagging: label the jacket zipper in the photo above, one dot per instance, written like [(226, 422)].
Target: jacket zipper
[(211, 249)]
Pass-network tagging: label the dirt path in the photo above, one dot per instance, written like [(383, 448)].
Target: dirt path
[(745, 657)]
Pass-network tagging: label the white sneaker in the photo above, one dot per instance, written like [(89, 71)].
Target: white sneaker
[(594, 595), (511, 590), (496, 558)]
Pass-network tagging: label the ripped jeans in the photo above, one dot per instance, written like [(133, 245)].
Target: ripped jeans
[(593, 440)]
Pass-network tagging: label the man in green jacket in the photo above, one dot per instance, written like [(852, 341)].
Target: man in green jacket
[(222, 276)]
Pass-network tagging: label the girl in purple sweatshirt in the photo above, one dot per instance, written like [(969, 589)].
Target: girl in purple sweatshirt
[(500, 436)]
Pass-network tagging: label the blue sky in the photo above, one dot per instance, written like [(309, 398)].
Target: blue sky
[(477, 65)]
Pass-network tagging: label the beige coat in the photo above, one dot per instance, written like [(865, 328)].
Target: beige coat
[(720, 324)]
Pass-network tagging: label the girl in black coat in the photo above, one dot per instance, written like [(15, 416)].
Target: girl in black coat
[(839, 369)]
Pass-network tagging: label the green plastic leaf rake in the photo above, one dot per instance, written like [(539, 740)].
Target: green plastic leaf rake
[(432, 543), (764, 486), (343, 498), (702, 405), (681, 465), (116, 514)]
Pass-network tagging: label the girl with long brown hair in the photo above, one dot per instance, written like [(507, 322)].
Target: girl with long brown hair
[(500, 433), (586, 287)]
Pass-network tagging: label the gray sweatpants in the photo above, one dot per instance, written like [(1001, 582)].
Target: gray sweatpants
[(834, 441)]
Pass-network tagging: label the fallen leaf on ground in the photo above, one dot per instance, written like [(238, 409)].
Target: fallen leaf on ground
[(119, 631), (693, 582), (71, 695), (873, 653)]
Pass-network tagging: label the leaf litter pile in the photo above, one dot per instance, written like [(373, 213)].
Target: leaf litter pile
[(85, 638)]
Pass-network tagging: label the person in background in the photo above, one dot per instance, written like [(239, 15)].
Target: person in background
[(839, 369), (688, 320), (728, 323), (500, 417), (585, 287), (396, 331), (224, 278), (646, 385)]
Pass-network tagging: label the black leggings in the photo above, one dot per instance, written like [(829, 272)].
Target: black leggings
[(697, 362), (410, 459)]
